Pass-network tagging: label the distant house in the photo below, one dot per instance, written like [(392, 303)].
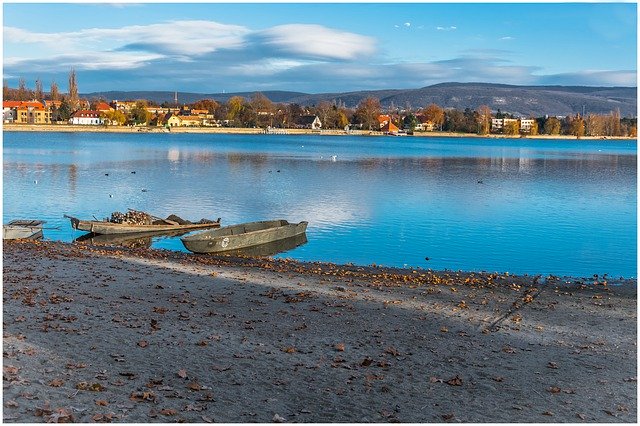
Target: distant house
[(103, 107), (183, 121), (423, 124), (25, 112), (383, 120), (310, 122), (389, 128), (85, 117), (524, 124)]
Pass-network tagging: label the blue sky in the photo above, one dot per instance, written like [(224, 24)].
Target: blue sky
[(317, 48)]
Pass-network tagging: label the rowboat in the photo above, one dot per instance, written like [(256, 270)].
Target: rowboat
[(22, 229), (243, 235), (109, 228)]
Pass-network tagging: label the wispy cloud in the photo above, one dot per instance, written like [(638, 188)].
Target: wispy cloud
[(506, 38), (449, 28)]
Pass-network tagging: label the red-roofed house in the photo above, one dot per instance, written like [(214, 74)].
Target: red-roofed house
[(103, 107), (86, 117), (25, 112)]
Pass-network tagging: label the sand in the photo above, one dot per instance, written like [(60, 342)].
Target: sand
[(123, 335)]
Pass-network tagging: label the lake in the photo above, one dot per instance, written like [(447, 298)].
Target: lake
[(560, 207)]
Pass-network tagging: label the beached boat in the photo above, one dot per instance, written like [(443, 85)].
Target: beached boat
[(109, 228), (22, 229), (271, 248), (133, 240), (243, 235)]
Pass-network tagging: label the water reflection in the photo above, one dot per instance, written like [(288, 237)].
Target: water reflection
[(521, 206)]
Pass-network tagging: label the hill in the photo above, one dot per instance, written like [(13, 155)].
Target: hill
[(520, 100)]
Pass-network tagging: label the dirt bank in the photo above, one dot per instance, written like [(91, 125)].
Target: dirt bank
[(151, 336)]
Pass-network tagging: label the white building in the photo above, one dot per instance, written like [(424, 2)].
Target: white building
[(86, 117)]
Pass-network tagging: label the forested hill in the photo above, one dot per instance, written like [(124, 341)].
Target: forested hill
[(520, 100)]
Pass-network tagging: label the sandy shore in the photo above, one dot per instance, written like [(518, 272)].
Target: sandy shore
[(95, 335), (250, 131)]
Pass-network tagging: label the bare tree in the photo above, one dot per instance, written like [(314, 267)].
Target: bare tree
[(39, 93), (73, 89), (55, 92), (23, 92)]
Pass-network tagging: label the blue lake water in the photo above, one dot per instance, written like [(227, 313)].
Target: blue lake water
[(523, 206)]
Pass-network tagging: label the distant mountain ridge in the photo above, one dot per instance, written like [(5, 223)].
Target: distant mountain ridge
[(519, 100)]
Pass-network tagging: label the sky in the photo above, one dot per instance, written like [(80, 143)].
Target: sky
[(317, 47)]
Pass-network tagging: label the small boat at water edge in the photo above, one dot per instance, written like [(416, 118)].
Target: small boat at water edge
[(243, 235), (23, 229), (109, 228)]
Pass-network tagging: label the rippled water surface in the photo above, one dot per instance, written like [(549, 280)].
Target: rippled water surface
[(523, 206)]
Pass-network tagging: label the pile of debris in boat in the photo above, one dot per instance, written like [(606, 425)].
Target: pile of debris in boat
[(136, 217)]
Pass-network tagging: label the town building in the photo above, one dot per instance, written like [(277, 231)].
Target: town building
[(86, 118), (25, 112)]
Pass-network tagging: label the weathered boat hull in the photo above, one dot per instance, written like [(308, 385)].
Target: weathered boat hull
[(22, 229), (110, 228), (241, 236)]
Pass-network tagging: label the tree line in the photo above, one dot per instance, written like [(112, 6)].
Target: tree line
[(259, 111)]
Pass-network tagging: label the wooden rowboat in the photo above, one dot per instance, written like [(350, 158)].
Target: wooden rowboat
[(110, 228), (22, 229), (241, 236)]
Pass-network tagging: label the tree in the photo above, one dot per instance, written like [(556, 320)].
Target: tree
[(208, 104), (552, 126), (367, 113), (73, 90), (576, 126), (484, 117), (39, 93), (54, 92), (139, 113), (64, 112), (6, 92), (410, 122), (511, 127), (435, 114), (235, 104), (24, 94), (116, 117)]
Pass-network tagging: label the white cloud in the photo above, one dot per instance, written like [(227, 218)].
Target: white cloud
[(507, 38), (449, 28), (407, 24), (317, 41)]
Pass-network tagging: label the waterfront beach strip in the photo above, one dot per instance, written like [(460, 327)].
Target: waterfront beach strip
[(94, 335)]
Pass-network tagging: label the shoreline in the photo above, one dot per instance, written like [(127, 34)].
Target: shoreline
[(291, 132), (142, 335)]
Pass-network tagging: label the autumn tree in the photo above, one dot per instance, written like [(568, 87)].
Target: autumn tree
[(367, 113), (576, 126), (73, 90), (552, 126), (139, 113), (484, 119), (208, 104), (511, 127), (435, 114), (6, 92), (235, 105), (115, 117)]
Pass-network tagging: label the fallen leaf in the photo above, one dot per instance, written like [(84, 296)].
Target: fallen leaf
[(547, 413), (366, 362), (581, 416), (554, 389), (455, 381), (339, 347), (101, 402), (168, 412), (194, 386), (143, 343), (289, 349), (182, 374), (207, 419), (102, 418), (449, 416), (392, 351), (278, 419), (56, 383), (552, 365), (11, 404)]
